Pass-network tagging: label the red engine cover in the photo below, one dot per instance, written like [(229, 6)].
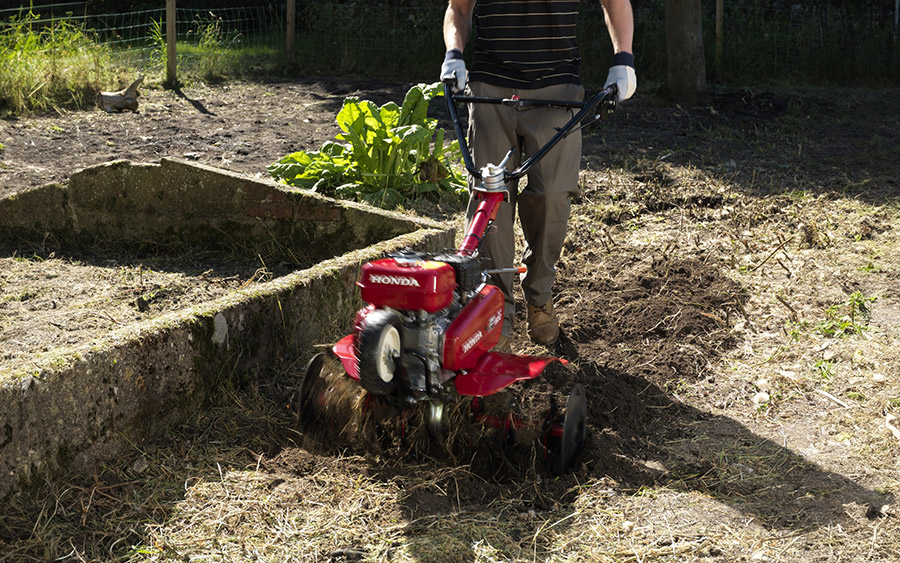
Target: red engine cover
[(408, 285), (475, 331)]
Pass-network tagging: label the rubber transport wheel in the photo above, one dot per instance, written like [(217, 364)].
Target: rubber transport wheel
[(378, 350)]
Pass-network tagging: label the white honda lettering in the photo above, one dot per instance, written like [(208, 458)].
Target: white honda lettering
[(472, 341), (393, 280)]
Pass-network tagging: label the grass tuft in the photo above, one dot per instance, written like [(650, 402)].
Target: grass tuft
[(49, 65)]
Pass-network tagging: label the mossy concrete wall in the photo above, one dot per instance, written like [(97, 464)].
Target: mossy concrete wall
[(179, 203), (76, 407)]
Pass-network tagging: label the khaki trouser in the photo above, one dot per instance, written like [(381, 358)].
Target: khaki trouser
[(543, 205)]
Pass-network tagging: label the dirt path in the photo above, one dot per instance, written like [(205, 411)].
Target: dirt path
[(730, 297), (237, 126)]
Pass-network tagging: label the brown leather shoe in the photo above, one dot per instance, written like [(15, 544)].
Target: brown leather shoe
[(543, 324), (503, 345)]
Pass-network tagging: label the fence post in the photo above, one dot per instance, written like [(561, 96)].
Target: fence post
[(720, 9), (291, 26), (171, 78)]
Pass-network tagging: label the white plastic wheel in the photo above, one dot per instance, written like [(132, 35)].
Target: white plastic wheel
[(388, 350), (378, 347)]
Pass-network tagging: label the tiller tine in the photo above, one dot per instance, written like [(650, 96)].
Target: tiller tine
[(334, 406), (566, 433), (329, 400)]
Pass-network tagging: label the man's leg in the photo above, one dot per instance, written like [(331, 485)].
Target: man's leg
[(545, 203)]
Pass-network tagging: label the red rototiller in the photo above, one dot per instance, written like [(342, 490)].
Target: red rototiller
[(425, 337)]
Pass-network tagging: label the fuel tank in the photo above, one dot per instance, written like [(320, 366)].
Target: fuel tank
[(407, 284), (475, 330)]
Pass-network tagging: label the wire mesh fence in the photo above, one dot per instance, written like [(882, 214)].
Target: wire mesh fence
[(137, 38), (816, 41)]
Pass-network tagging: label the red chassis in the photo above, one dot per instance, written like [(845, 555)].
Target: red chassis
[(429, 285)]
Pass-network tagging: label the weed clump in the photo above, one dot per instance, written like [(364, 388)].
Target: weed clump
[(49, 65)]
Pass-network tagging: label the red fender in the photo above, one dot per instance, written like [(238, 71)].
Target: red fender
[(345, 350), (496, 371)]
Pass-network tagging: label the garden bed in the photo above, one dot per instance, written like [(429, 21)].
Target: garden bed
[(132, 291)]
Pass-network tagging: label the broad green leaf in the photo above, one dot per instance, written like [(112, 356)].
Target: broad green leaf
[(299, 157), (348, 191), (290, 166), (433, 90), (285, 171), (438, 142), (348, 113), (360, 145), (412, 134), (360, 121), (300, 182), (333, 149), (390, 115), (415, 107), (387, 198)]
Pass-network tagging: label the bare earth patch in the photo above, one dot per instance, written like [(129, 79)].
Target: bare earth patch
[(54, 303), (729, 297)]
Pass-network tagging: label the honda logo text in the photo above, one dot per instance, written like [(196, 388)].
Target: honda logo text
[(472, 341), (393, 280)]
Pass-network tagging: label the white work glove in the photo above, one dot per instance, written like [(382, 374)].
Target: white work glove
[(622, 75), (454, 67)]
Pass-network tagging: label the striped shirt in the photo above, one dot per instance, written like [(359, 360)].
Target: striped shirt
[(526, 43)]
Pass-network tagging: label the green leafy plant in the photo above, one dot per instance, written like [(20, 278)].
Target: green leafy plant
[(208, 31), (848, 318), (208, 51), (213, 46), (390, 154)]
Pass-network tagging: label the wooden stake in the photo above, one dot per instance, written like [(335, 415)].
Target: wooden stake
[(171, 38), (291, 26)]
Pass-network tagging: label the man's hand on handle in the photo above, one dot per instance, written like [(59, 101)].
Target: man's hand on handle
[(454, 68), (621, 73)]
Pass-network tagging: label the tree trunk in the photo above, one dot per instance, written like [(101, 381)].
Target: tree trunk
[(121, 100), (685, 61)]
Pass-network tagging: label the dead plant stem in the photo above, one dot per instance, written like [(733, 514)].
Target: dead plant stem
[(771, 254)]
